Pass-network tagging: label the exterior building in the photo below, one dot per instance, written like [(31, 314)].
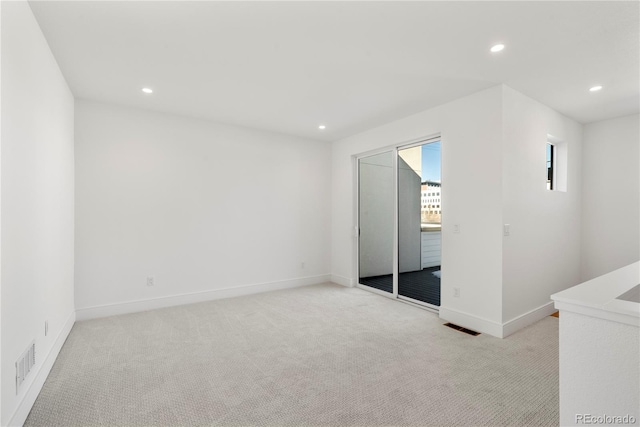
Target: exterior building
[(431, 207)]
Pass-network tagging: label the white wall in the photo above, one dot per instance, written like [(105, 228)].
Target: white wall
[(599, 368), (610, 195), (542, 254), (205, 209), (1, 213), (471, 196), (37, 206)]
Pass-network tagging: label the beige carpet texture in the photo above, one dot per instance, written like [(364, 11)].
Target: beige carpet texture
[(318, 355)]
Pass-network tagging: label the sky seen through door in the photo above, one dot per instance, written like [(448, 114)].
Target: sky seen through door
[(431, 162)]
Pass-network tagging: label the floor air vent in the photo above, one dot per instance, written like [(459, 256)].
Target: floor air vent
[(461, 329), (25, 364)]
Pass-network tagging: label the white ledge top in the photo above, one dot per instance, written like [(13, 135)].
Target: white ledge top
[(599, 297)]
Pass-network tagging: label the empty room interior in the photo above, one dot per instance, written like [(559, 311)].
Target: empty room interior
[(319, 213)]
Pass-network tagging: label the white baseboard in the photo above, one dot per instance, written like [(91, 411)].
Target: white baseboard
[(29, 397), (191, 298), (344, 281), (527, 319), (499, 330), (469, 321)]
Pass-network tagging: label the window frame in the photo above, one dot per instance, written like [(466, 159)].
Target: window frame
[(551, 167)]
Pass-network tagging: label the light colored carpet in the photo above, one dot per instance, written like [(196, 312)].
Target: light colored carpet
[(319, 355)]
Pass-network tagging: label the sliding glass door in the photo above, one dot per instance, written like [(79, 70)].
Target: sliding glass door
[(419, 223), (399, 220), (376, 207)]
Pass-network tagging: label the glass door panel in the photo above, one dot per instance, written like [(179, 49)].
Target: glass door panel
[(419, 223), (376, 208)]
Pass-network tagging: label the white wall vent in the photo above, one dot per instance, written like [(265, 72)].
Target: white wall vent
[(25, 364)]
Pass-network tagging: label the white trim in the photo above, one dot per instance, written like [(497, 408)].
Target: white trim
[(469, 321), (598, 297), (553, 139), (344, 281), (419, 304), (29, 397), (355, 241), (396, 221), (195, 297), (376, 291), (499, 330), (405, 300), (426, 305), (624, 318), (420, 141), (527, 319)]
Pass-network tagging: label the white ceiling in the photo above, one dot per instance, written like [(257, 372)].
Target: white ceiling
[(289, 66)]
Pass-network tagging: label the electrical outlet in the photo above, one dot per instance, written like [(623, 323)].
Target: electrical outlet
[(150, 281), (302, 265), (456, 228), (456, 292), (507, 230)]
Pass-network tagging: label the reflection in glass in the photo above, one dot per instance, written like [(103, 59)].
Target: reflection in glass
[(376, 210)]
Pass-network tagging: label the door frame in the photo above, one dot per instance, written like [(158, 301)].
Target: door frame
[(394, 149)]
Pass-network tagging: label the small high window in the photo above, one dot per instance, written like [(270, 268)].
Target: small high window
[(551, 154), (557, 159)]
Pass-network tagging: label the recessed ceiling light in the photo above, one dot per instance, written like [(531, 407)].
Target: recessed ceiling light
[(497, 48), (595, 88), (147, 90), (322, 127)]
